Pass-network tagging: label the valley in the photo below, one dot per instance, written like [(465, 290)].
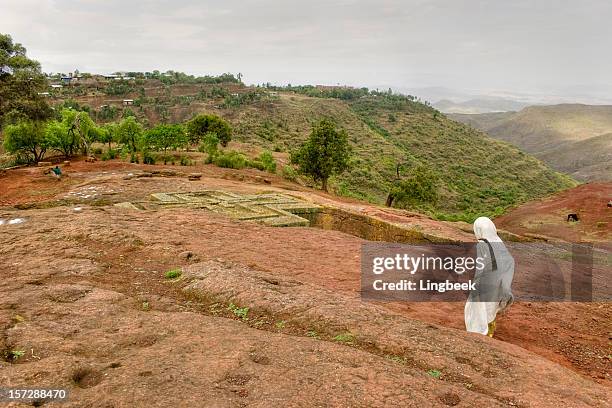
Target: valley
[(572, 138)]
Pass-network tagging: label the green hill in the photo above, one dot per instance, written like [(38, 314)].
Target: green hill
[(588, 159), (573, 138), (478, 175)]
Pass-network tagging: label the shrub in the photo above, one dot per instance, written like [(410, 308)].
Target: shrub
[(173, 273), (185, 161), (240, 312), (256, 164), (420, 187), (118, 88), (313, 334), (289, 173), (97, 150), (147, 158), (18, 160), (15, 354), (232, 160), (268, 161), (346, 338), (435, 373)]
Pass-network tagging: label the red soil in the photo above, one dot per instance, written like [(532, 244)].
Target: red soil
[(548, 217), (570, 334)]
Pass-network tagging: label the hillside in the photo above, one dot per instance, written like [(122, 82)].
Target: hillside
[(478, 175), (588, 159), (572, 138), (548, 217)]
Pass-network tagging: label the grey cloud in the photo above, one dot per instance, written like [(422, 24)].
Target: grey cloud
[(543, 46)]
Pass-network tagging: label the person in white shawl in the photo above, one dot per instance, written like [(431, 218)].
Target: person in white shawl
[(493, 292)]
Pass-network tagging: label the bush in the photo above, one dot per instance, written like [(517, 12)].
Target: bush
[(419, 188), (173, 274), (17, 160), (240, 312), (147, 158), (231, 160), (134, 158), (97, 150), (185, 161), (256, 164), (110, 154), (118, 88), (268, 161), (289, 173)]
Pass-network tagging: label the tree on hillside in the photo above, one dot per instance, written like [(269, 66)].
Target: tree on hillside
[(324, 154), (129, 132), (20, 82), (163, 137), (419, 188), (202, 124), (26, 139)]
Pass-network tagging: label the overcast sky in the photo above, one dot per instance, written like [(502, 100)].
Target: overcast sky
[(536, 46)]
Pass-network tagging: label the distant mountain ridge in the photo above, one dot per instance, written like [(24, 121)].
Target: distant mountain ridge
[(479, 105), (573, 138)]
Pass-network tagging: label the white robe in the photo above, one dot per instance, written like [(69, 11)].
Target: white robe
[(478, 314)]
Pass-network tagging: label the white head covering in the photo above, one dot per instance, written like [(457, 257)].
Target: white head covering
[(485, 229)]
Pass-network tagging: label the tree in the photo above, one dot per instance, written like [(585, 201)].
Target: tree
[(162, 137), (210, 145), (75, 130), (84, 127), (107, 134), (21, 80), (60, 138), (419, 188), (26, 138), (325, 153), (202, 124), (129, 132)]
